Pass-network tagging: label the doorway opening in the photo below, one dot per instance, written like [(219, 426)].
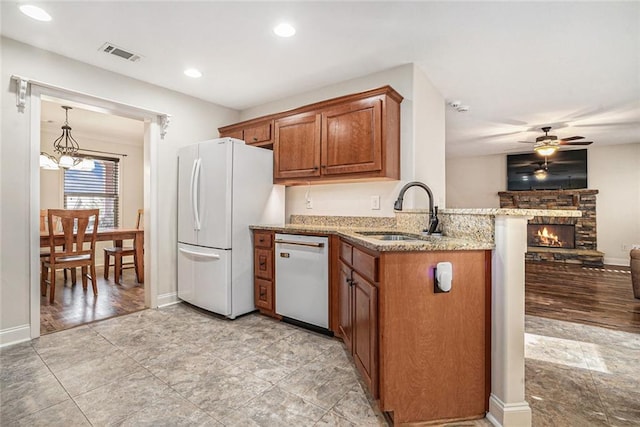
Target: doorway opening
[(155, 124), (115, 185)]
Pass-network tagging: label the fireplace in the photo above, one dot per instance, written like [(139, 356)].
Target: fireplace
[(577, 240), (551, 236)]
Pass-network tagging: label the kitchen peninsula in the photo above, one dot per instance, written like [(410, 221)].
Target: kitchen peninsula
[(429, 355)]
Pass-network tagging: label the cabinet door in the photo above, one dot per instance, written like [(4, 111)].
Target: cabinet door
[(258, 135), (365, 331), (263, 263), (263, 297), (296, 149), (345, 301), (352, 138)]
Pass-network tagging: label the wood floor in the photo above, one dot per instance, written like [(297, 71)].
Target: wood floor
[(73, 306), (594, 296)]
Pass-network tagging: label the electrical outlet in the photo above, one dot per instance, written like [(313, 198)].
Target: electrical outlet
[(309, 203), (375, 203)]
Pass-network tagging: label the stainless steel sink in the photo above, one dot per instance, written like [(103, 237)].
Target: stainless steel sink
[(389, 236)]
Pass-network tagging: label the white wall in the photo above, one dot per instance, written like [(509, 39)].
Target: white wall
[(426, 122), (192, 120), (613, 170), (474, 182), (131, 176)]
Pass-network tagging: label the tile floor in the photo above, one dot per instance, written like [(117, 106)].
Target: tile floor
[(176, 366), (581, 375)]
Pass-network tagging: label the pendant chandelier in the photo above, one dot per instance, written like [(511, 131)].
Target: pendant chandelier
[(67, 147)]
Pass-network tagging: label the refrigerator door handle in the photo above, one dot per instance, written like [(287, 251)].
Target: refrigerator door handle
[(196, 193), (191, 195), (205, 255)]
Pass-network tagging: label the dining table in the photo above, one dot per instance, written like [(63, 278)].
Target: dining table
[(117, 235)]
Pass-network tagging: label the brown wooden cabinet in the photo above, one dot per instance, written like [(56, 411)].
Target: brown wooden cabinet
[(358, 313), (263, 253), (258, 133), (352, 137), (425, 355), (341, 139), (296, 152)]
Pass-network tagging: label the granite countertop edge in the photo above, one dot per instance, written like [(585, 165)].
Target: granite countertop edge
[(432, 243)]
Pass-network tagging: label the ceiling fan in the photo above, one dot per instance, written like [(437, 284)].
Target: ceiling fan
[(541, 170), (548, 144)]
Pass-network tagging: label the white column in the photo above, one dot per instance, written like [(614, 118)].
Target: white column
[(507, 405)]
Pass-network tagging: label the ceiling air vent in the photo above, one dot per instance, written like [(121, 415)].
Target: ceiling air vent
[(118, 51)]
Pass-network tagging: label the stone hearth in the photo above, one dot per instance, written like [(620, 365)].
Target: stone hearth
[(586, 238)]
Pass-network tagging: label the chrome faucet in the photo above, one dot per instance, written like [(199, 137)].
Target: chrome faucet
[(433, 211)]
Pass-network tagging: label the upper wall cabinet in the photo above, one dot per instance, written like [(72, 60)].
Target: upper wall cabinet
[(254, 133), (342, 139), (296, 153)]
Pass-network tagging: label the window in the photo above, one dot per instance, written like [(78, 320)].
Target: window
[(96, 189)]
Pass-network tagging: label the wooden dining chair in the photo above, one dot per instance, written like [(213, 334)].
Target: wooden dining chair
[(44, 252), (119, 252), (75, 252)]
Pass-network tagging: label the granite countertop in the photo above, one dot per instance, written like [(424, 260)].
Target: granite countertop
[(427, 243)]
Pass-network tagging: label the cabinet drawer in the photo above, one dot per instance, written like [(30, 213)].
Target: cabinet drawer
[(263, 294), (263, 239), (263, 263), (365, 264), (260, 134), (346, 252)]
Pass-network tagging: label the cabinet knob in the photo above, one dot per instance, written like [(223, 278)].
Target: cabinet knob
[(315, 168), (255, 139), (324, 166)]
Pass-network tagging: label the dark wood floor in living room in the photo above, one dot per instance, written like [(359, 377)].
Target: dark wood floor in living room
[(594, 296), (73, 306)]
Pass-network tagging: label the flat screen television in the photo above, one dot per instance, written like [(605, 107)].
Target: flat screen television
[(564, 170)]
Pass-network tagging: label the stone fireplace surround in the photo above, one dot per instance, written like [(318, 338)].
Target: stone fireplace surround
[(586, 239)]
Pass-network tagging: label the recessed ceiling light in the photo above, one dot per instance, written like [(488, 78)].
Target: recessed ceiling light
[(192, 72), (35, 12), (284, 30)]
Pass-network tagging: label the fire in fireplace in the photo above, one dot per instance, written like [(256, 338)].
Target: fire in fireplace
[(551, 236)]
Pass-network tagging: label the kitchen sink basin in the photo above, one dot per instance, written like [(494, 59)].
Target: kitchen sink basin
[(389, 236)]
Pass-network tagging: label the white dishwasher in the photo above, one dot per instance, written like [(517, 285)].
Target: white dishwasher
[(302, 279)]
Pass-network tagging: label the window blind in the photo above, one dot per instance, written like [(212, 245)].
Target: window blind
[(96, 189)]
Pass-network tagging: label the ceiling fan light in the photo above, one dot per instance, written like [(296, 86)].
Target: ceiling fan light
[(540, 174), (545, 150)]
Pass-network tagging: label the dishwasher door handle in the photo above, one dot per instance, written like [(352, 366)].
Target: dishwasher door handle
[(289, 242)]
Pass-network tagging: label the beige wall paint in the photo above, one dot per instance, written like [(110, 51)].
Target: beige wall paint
[(474, 182), (192, 120), (355, 198), (613, 170), (131, 177)]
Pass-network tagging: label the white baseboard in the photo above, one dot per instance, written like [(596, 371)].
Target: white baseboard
[(168, 299), (15, 335), (508, 414), (617, 261)]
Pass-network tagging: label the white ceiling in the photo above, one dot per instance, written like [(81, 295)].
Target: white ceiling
[(518, 65), (86, 123)]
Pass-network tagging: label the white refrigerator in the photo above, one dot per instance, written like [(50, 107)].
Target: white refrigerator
[(223, 187)]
